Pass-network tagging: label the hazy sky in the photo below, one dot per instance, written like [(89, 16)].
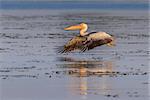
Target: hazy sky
[(74, 4), (85, 0)]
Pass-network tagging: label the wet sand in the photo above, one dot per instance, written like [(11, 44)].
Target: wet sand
[(31, 69)]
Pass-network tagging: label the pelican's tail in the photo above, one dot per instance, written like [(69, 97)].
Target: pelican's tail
[(112, 43)]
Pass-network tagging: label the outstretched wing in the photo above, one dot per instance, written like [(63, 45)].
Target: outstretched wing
[(94, 43), (75, 43)]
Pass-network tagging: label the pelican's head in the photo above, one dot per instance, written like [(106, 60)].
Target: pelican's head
[(82, 27), (77, 27)]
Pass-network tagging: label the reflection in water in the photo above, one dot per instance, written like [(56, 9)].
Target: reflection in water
[(82, 72)]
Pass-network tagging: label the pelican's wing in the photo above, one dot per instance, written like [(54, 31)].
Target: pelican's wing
[(94, 43), (75, 43)]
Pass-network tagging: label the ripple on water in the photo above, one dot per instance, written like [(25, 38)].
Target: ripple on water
[(28, 50)]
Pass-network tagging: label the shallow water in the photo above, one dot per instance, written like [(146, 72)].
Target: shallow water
[(31, 69)]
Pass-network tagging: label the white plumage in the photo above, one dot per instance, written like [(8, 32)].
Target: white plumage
[(86, 41)]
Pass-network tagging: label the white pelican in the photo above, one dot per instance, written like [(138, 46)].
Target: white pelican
[(86, 41)]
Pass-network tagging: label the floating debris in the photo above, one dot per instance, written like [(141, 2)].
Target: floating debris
[(111, 95)]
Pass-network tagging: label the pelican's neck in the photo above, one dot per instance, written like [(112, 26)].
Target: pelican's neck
[(83, 31)]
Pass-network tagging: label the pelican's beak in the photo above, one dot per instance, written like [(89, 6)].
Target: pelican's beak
[(76, 27)]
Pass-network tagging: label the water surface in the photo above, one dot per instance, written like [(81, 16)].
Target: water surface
[(31, 69)]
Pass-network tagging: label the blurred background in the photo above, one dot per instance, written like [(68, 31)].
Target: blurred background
[(31, 68)]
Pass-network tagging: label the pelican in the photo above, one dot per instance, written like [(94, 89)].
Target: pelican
[(86, 41)]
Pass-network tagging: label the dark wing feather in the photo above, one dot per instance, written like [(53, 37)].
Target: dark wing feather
[(94, 43), (76, 42)]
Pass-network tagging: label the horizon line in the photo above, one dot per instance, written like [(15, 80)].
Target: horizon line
[(71, 5)]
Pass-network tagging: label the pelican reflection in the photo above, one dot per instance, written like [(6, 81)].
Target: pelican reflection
[(88, 76)]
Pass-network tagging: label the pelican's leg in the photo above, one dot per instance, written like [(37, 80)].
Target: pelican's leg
[(109, 44)]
